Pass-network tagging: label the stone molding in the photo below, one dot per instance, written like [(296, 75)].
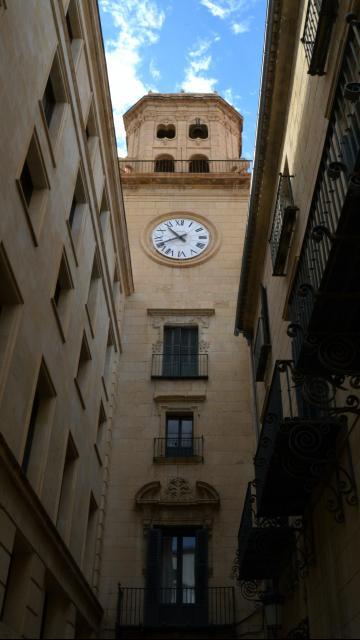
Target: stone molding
[(177, 492)]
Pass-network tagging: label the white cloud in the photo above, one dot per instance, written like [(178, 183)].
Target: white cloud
[(195, 81), (138, 23), (223, 8), (240, 27), (154, 71)]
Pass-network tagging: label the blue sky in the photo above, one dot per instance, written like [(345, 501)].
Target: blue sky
[(192, 45)]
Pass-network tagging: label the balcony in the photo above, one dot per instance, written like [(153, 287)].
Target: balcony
[(143, 609), (325, 301), (129, 167), (178, 366), (283, 225), (320, 17), (182, 449), (264, 545), (298, 441)]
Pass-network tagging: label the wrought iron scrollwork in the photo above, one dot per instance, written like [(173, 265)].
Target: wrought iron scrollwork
[(301, 630)]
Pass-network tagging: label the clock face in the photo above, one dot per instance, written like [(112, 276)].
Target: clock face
[(180, 238)]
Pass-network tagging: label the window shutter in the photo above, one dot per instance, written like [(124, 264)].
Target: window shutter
[(153, 569), (201, 575)]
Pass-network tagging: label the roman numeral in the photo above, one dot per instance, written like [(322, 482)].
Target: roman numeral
[(194, 252), (202, 237), (199, 229), (189, 225), (181, 253), (168, 251), (159, 244), (180, 223), (201, 245), (168, 224)]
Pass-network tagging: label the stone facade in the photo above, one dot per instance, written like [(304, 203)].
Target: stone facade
[(64, 273), (308, 117), (148, 491)]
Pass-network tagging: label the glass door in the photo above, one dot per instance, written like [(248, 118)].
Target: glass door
[(179, 436)]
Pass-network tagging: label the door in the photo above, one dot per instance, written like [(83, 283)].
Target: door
[(180, 352), (179, 436), (177, 578)]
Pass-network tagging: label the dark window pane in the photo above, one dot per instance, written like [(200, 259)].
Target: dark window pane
[(26, 182), (49, 101), (72, 212), (31, 432)]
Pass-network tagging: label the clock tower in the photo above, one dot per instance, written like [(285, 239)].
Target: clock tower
[(183, 438)]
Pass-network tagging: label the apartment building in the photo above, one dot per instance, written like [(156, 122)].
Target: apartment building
[(299, 307), (64, 274)]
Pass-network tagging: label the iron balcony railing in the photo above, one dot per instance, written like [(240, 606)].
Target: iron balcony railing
[(169, 165), (283, 224), (182, 447), (320, 17), (335, 203), (171, 607), (297, 440), (182, 365), (264, 544)]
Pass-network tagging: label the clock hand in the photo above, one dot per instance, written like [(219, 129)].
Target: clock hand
[(177, 235), (170, 239)]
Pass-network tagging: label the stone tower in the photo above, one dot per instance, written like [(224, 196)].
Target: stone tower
[(183, 438)]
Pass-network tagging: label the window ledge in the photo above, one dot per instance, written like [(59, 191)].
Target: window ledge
[(178, 459), (27, 214), (98, 454)]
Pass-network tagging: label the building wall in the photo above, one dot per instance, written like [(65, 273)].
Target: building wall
[(327, 594), (168, 294), (49, 572)]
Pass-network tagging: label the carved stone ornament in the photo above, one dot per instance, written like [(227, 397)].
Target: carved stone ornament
[(177, 492)]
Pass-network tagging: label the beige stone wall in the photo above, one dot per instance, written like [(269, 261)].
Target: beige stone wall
[(221, 404), (43, 552)]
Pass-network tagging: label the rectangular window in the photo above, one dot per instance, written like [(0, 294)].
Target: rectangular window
[(94, 291), (319, 21), (110, 347), (33, 186), (66, 502), (10, 301), (100, 436), (89, 555), (48, 101), (82, 376), (262, 344), (180, 352), (64, 286), (77, 210), (179, 435), (37, 437)]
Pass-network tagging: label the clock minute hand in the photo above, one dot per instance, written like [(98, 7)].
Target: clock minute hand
[(177, 235), (171, 239)]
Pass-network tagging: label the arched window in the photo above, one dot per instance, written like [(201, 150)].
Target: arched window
[(198, 130), (199, 164), (166, 131), (165, 164)]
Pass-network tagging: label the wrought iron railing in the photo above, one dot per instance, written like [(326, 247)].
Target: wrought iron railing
[(283, 224), (338, 179), (181, 447), (210, 607), (184, 365), (320, 17), (264, 544), (169, 165)]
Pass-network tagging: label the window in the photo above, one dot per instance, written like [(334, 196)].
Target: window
[(77, 210), (165, 164), (180, 352), (166, 131), (283, 224), (67, 493), (101, 428), (179, 435), (199, 164), (320, 17), (73, 25), (94, 291), (109, 358), (53, 102), (82, 375), (18, 578), (61, 299), (33, 186), (91, 132), (177, 576), (262, 344), (89, 553), (37, 437), (198, 130), (10, 299)]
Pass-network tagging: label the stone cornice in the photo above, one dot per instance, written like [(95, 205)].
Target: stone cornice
[(204, 179), (24, 508), (181, 312)]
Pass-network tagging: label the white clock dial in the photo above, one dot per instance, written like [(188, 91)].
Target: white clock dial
[(180, 238)]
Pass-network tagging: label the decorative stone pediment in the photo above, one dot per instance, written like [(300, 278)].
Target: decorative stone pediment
[(177, 492)]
